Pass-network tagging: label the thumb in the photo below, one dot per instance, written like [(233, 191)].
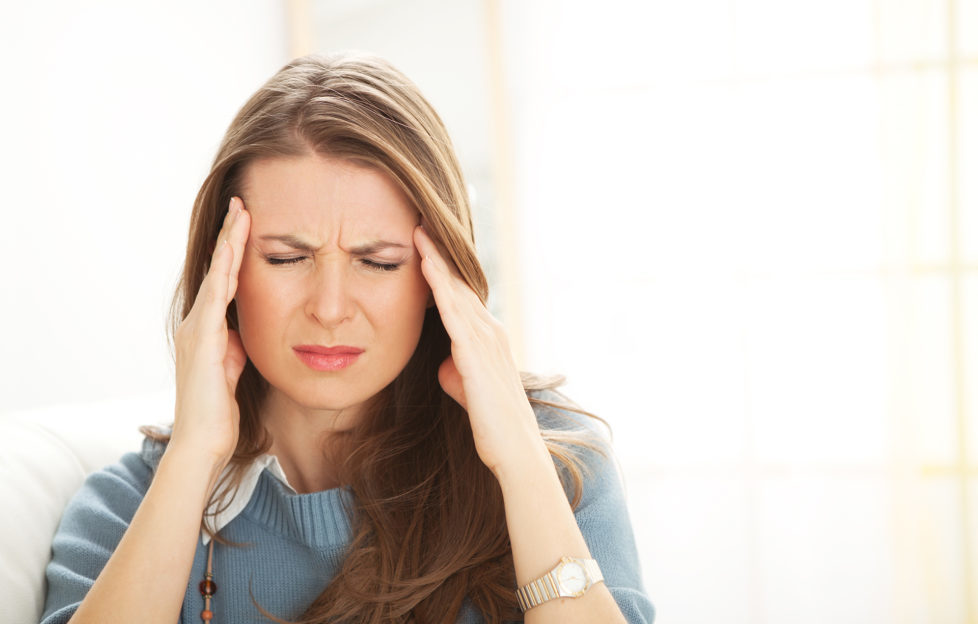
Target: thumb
[(451, 381), (235, 359)]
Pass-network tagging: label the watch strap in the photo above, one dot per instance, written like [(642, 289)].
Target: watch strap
[(548, 587)]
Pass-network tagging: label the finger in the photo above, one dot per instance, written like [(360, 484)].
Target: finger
[(214, 290), (218, 278), (451, 381), (432, 267), (226, 225), (458, 305), (210, 305), (432, 251), (237, 238), (440, 273), (235, 359)]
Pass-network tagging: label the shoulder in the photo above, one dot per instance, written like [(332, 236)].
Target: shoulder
[(154, 444), (114, 492), (571, 430), (92, 525), (555, 411), (602, 511), (108, 498), (581, 446)]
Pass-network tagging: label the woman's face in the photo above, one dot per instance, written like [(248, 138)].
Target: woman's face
[(330, 263)]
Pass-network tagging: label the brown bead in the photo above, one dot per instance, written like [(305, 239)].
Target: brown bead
[(207, 615), (208, 587)]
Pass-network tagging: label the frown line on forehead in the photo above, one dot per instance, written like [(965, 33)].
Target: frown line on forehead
[(367, 248)]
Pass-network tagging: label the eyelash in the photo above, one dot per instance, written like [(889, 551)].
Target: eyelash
[(371, 264)]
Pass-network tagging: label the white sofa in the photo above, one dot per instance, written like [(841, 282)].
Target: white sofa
[(45, 454)]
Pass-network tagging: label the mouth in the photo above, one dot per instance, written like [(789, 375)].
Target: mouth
[(327, 358)]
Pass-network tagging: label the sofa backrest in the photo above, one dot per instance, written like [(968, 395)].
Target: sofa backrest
[(45, 454)]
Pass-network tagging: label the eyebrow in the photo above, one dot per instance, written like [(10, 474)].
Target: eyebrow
[(365, 249)]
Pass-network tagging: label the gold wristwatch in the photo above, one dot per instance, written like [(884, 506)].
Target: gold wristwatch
[(570, 578)]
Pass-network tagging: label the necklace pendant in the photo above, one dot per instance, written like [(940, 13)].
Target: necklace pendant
[(208, 587)]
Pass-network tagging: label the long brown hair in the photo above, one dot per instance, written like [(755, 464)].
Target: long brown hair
[(429, 529)]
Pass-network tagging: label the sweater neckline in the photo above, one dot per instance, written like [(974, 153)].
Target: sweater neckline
[(319, 519)]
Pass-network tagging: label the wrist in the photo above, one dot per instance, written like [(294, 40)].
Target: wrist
[(527, 462), (572, 577), (198, 470)]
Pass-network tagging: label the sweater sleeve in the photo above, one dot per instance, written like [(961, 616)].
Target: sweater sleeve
[(602, 514), (91, 527)]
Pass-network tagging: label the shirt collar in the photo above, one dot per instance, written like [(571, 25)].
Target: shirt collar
[(234, 502)]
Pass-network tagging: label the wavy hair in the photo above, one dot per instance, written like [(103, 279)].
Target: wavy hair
[(429, 529)]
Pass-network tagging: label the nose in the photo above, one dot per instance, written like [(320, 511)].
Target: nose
[(330, 300)]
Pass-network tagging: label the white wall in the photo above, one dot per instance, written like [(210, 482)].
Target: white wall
[(751, 243), (111, 113)]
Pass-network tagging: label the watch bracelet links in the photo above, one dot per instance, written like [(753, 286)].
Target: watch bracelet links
[(543, 589)]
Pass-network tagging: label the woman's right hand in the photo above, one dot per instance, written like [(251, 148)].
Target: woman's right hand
[(145, 579), (210, 356)]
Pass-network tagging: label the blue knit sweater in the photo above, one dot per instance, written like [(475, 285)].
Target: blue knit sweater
[(296, 542)]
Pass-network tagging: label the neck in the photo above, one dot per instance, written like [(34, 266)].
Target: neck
[(306, 441)]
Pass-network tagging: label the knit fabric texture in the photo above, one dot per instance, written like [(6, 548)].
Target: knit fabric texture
[(296, 543)]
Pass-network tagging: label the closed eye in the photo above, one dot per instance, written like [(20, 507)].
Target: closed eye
[(380, 266), (285, 260), (370, 264)]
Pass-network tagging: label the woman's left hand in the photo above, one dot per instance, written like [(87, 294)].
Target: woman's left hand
[(480, 373)]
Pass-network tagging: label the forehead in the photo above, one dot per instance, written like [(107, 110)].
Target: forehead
[(320, 195)]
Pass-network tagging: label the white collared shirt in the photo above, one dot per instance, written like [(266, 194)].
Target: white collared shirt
[(241, 496)]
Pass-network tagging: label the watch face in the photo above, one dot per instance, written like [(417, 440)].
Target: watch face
[(572, 577)]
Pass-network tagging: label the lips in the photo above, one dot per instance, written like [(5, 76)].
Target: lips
[(321, 358), (340, 350)]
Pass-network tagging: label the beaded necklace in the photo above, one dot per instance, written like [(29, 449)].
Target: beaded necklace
[(208, 587)]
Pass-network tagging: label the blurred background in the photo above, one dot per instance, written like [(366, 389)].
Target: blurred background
[(746, 231)]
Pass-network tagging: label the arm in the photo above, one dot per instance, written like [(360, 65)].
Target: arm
[(480, 374), (542, 529), (150, 534), (146, 577), (601, 513)]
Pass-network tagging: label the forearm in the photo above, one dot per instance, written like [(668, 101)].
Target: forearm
[(542, 529), (146, 577)]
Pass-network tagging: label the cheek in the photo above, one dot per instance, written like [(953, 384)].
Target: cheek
[(405, 305), (416, 292), (257, 299), (260, 282)]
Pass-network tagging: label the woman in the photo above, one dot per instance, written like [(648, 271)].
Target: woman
[(349, 421)]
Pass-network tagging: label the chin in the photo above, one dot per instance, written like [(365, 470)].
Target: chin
[(326, 399)]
